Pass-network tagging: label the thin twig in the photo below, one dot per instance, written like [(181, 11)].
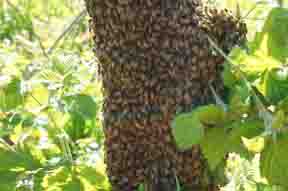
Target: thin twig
[(33, 33), (255, 19), (264, 113), (13, 6), (40, 104), (41, 46), (253, 8), (7, 145), (242, 74), (67, 30), (280, 3), (217, 97)]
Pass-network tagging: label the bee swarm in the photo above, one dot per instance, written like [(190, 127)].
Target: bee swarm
[(156, 60)]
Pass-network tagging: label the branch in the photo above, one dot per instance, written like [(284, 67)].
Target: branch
[(13, 6), (66, 31), (263, 112)]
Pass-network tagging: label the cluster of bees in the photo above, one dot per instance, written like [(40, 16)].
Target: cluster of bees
[(155, 61)]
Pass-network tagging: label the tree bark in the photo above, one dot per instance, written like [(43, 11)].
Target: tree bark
[(155, 61)]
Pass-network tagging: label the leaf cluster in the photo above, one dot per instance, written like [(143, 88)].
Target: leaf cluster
[(254, 121)]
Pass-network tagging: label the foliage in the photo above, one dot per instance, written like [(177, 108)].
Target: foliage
[(50, 102), (254, 120)]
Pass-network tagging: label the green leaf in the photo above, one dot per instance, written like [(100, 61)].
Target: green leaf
[(38, 179), (57, 178), (237, 108), (273, 162), (8, 180), (283, 104), (82, 104), (187, 130), (248, 129), (241, 93), (14, 160), (74, 184), (211, 115), (253, 65), (64, 63), (10, 96), (75, 128), (279, 120), (275, 89), (95, 177), (273, 39), (214, 147), (229, 77), (141, 187), (219, 173)]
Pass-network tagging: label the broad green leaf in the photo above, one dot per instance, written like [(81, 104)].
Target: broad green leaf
[(219, 172), (273, 39), (10, 96), (275, 89), (253, 65), (283, 104), (17, 160), (64, 63), (32, 153), (248, 129), (8, 180), (82, 104), (242, 92), (187, 130), (94, 177), (229, 76), (57, 178), (237, 108), (211, 115), (274, 164), (214, 147), (38, 179), (279, 120), (141, 187), (75, 128), (74, 184)]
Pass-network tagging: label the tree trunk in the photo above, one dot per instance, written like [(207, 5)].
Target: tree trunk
[(155, 61)]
